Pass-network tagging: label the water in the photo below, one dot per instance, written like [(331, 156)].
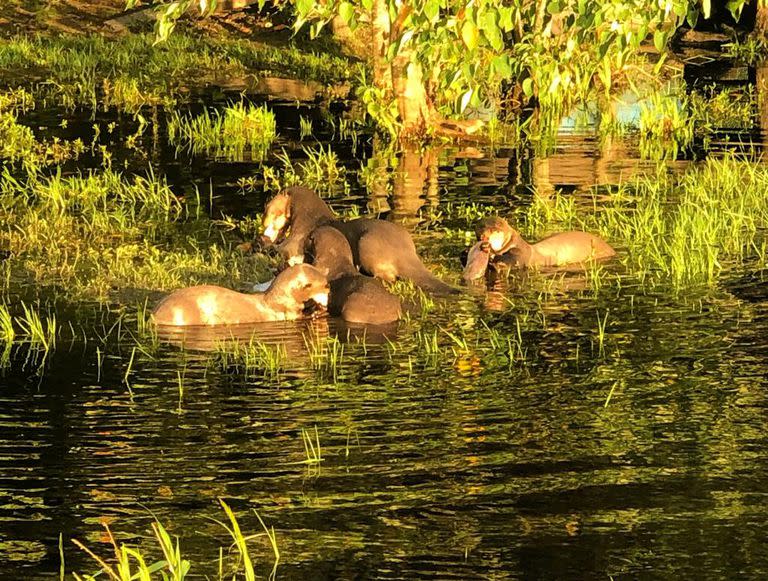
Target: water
[(639, 456)]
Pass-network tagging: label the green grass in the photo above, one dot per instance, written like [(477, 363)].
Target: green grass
[(326, 355), (251, 358), (40, 334), (128, 563), (132, 71), (7, 332), (230, 133), (87, 235), (7, 335), (321, 171), (680, 230)]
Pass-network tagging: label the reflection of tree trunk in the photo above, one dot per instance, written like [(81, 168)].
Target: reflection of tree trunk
[(762, 100), (761, 21), (540, 177), (415, 175), (378, 186)]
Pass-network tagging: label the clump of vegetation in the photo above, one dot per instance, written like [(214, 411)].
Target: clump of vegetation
[(231, 132), (131, 563), (18, 143), (679, 230), (133, 71), (89, 235), (253, 357), (41, 335), (321, 171), (666, 126)]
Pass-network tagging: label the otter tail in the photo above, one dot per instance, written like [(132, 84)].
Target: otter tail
[(427, 281)]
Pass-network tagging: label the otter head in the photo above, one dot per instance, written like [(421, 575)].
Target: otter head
[(298, 285), (497, 234), (328, 250), (277, 218)]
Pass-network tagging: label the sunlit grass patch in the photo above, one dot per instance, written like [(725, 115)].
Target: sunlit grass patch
[(321, 171), (93, 235), (132, 71), (251, 358), (679, 230), (18, 144), (231, 132), (128, 562), (40, 334)]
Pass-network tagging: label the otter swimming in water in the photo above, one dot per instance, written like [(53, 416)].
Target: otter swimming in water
[(380, 248), (215, 305), (354, 297), (504, 245)]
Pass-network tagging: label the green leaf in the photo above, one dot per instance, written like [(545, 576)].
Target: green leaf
[(706, 8), (502, 66), (505, 18), (491, 31), (693, 17), (735, 7), (555, 7), (347, 12), (528, 87), (431, 9), (367, 4), (659, 40), (469, 35)]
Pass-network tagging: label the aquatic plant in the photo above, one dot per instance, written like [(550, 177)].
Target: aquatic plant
[(40, 335), (326, 355), (312, 447), (666, 126), (18, 144), (91, 234), (130, 562), (7, 335), (133, 71), (7, 332), (231, 132), (305, 127), (252, 357), (321, 167), (680, 229)]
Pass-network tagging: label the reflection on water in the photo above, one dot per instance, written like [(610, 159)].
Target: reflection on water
[(568, 453)]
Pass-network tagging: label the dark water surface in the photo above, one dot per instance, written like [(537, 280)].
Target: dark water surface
[(461, 465)]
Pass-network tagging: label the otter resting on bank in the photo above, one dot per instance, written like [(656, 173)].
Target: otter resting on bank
[(214, 305), (380, 248)]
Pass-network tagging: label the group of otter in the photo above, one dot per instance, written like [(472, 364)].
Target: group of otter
[(336, 264)]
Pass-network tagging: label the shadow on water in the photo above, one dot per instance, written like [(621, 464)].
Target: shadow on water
[(568, 453)]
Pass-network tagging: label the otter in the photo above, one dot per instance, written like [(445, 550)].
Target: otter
[(506, 247), (354, 297), (380, 248), (215, 305)]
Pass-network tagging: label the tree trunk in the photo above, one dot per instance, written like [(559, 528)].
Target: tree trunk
[(401, 79), (411, 94), (380, 28)]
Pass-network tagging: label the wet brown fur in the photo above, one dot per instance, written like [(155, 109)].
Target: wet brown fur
[(380, 248), (215, 305), (354, 297), (555, 250)]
